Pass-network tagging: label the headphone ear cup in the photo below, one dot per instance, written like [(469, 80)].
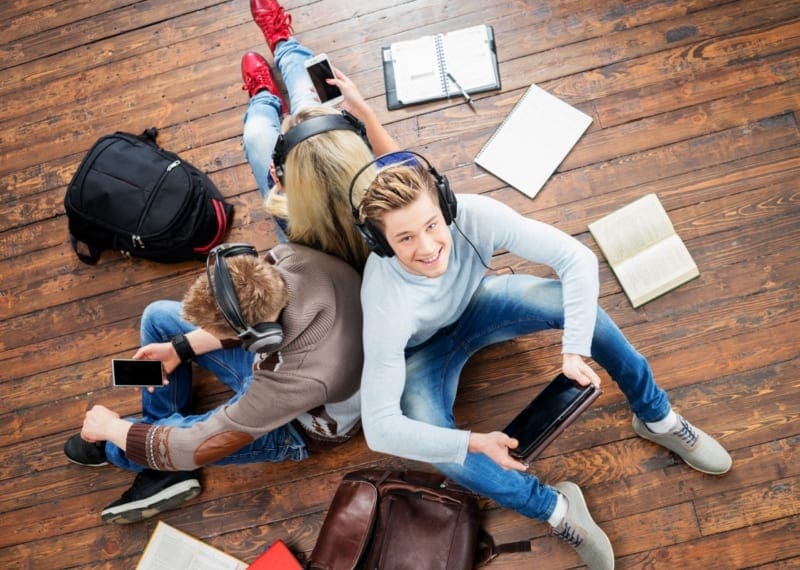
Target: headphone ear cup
[(278, 156), (262, 337), (447, 199), (374, 238)]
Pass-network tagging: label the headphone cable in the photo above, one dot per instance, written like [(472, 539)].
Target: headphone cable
[(475, 249)]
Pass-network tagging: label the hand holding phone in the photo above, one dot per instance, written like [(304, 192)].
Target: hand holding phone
[(128, 372), (319, 69)]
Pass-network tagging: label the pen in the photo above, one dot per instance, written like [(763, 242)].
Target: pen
[(458, 85)]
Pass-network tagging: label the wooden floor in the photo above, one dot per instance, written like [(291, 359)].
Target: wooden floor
[(697, 101)]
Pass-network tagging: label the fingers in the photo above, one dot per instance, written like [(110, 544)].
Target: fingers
[(337, 73), (503, 458), (588, 376), (517, 465), (576, 369)]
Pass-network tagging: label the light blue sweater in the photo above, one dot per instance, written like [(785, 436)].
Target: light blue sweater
[(402, 309)]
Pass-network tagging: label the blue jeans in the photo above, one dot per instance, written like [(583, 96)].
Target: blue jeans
[(262, 120), (171, 405), (503, 308)]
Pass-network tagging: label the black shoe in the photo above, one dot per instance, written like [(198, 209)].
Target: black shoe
[(152, 492), (82, 452)]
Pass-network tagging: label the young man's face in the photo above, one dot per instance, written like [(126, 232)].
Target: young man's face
[(419, 237)]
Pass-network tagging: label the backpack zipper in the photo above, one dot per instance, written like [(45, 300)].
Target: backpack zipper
[(136, 239)]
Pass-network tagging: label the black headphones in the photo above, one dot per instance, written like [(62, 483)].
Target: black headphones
[(372, 235), (261, 337), (311, 128)]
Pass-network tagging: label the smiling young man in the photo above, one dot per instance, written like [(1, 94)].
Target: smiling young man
[(428, 306)]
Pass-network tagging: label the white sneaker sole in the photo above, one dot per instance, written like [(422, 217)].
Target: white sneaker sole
[(145, 508)]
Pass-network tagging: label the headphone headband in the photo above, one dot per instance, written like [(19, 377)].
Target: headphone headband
[(261, 337), (312, 127)]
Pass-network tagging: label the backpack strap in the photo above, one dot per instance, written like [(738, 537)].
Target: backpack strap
[(149, 136), (487, 550), (85, 252)]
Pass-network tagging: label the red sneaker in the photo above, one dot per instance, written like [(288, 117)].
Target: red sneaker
[(275, 24), (257, 76)]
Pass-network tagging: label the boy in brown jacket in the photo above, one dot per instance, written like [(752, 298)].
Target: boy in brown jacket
[(294, 367)]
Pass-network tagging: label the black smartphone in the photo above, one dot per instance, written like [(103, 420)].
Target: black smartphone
[(319, 69), (136, 373), (548, 414)]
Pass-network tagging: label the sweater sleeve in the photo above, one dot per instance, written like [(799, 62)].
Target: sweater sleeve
[(574, 263), (272, 400)]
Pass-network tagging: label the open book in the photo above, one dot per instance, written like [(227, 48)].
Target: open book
[(532, 141), (415, 71), (643, 250), (172, 549)]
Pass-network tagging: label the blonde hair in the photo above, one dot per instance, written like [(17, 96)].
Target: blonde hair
[(393, 188), (259, 287), (317, 176)]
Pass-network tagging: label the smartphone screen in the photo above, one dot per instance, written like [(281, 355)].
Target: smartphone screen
[(127, 372), (543, 414), (319, 72)]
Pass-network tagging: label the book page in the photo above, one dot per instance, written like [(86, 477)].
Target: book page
[(468, 56), (416, 69), (631, 229), (171, 549), (656, 270), (529, 145)]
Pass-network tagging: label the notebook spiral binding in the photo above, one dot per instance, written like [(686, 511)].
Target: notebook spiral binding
[(442, 67), (502, 124)]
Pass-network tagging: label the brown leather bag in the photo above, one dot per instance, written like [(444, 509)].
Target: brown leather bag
[(403, 520)]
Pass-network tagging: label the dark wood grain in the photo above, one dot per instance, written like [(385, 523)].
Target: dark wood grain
[(696, 101)]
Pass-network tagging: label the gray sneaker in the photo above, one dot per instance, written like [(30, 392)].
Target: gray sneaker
[(698, 449), (581, 532)]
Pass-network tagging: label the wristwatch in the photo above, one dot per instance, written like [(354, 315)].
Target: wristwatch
[(183, 348)]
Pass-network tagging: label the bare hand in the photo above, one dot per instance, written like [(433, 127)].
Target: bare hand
[(576, 369), (353, 100), (277, 187), (495, 446), (163, 351), (96, 423)]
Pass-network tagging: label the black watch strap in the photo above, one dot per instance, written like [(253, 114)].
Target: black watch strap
[(183, 348)]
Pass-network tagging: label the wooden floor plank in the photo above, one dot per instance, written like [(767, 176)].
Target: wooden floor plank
[(696, 101)]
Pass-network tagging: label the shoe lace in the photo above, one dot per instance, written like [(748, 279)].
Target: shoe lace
[(261, 77), (687, 433), (569, 534), (271, 19)]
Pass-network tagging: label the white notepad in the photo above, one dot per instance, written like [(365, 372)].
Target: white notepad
[(532, 141)]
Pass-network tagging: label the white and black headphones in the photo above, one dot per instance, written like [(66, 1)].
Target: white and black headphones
[(260, 337)]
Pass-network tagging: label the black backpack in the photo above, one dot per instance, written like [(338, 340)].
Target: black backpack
[(131, 195)]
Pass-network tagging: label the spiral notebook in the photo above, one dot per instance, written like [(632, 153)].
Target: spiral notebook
[(415, 71), (533, 140)]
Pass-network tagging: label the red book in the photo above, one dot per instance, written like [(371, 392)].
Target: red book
[(276, 557)]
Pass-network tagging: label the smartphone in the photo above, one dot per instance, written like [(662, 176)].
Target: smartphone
[(545, 417), (319, 69), (136, 373)]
